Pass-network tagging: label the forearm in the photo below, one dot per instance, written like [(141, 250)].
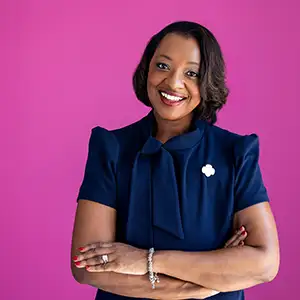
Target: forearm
[(140, 287), (223, 270)]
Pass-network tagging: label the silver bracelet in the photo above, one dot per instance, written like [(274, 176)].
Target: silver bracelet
[(153, 277)]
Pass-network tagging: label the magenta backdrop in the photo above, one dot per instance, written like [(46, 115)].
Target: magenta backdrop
[(67, 66)]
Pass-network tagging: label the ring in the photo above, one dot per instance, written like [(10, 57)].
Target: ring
[(105, 258)]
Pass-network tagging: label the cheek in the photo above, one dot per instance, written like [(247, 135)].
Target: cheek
[(151, 88), (154, 79), (195, 92)]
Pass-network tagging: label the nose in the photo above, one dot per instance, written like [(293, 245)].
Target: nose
[(175, 80)]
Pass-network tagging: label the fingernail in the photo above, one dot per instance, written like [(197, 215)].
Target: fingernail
[(242, 228), (77, 263), (81, 248), (75, 257), (244, 232), (87, 267)]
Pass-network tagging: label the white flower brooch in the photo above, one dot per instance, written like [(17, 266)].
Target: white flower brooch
[(208, 170)]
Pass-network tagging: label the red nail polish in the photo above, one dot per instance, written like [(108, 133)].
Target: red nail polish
[(77, 263), (75, 257), (244, 232), (81, 248), (241, 228)]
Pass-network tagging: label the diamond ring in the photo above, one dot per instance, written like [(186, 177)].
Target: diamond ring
[(105, 258)]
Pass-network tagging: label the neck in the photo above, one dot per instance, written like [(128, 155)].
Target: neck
[(167, 129)]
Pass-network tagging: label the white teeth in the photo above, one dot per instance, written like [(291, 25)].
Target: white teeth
[(171, 98)]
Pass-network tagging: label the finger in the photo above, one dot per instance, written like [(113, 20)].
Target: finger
[(241, 243), (239, 239), (93, 253), (94, 246), (235, 236), (109, 267), (98, 260), (80, 264)]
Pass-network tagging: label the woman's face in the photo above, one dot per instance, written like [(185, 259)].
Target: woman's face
[(173, 78)]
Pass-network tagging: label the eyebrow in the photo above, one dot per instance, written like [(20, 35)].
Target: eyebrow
[(169, 58)]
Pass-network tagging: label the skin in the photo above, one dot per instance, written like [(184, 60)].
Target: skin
[(96, 222), (174, 68), (242, 263), (224, 270)]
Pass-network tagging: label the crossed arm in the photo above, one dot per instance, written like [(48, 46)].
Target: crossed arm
[(233, 268), (87, 230), (209, 272)]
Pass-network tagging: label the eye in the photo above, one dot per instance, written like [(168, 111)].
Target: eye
[(162, 66), (192, 74)]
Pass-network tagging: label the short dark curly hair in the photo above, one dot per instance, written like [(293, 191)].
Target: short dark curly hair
[(212, 79)]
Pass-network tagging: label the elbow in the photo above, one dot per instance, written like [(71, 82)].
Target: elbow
[(83, 277), (270, 272), (270, 267), (78, 279), (79, 276)]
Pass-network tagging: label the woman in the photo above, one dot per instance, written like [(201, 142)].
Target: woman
[(160, 197)]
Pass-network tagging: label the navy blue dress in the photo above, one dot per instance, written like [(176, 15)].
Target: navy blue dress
[(181, 195)]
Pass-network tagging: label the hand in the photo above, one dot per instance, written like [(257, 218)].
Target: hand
[(122, 258), (237, 239), (126, 259)]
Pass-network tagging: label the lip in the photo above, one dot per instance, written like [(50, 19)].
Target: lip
[(169, 102), (173, 93)]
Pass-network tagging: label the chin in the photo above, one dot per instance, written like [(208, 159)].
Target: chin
[(171, 114)]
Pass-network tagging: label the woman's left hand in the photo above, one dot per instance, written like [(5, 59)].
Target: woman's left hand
[(122, 258)]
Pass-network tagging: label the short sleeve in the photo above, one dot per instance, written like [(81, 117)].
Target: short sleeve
[(99, 181), (249, 186)]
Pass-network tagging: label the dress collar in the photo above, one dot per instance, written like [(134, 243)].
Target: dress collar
[(183, 141)]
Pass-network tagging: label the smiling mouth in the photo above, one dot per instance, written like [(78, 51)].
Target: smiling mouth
[(170, 97)]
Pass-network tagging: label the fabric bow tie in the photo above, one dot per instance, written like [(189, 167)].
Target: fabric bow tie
[(154, 197), (155, 200)]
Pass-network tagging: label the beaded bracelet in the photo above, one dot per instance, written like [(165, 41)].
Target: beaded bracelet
[(153, 277)]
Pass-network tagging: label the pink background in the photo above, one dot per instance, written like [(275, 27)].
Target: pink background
[(67, 66)]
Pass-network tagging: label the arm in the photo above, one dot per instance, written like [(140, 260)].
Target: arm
[(95, 222), (232, 268), (139, 287)]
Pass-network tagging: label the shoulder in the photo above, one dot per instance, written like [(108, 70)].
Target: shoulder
[(103, 142), (228, 140), (117, 139), (132, 131)]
